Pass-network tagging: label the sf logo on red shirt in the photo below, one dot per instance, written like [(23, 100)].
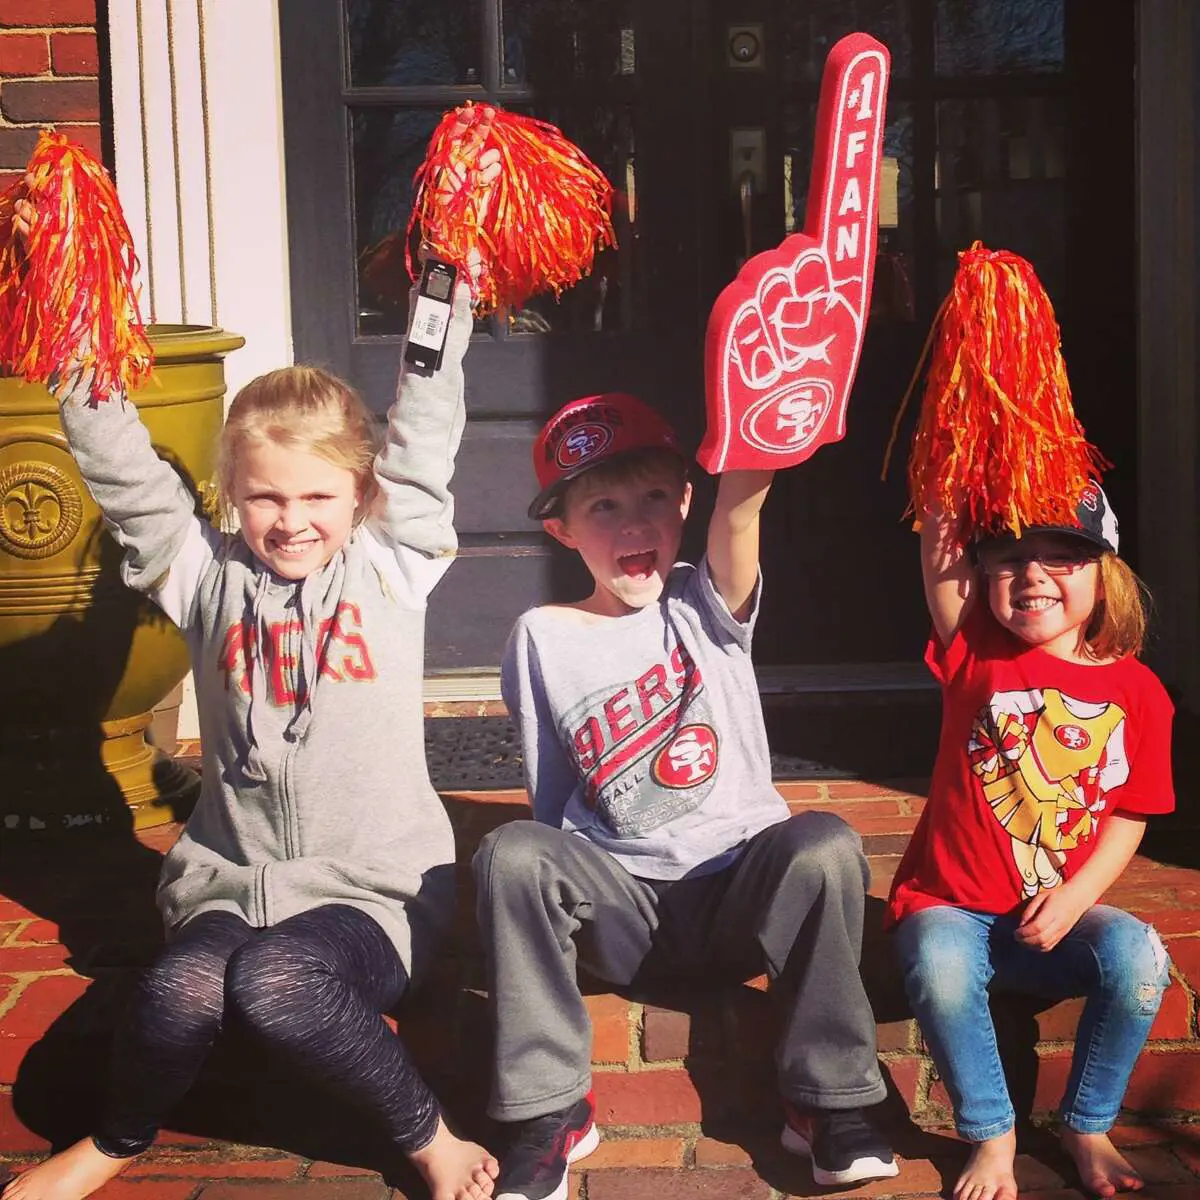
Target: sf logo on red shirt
[(688, 759), (1074, 737)]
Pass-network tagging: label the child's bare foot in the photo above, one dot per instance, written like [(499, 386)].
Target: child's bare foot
[(988, 1174), (455, 1169), (70, 1175), (1102, 1169)]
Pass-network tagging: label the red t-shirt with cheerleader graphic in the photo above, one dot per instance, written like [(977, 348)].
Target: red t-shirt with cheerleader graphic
[(1034, 753)]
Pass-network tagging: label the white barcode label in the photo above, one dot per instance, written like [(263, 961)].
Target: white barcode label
[(429, 323)]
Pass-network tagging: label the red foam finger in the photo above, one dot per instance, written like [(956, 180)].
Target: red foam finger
[(784, 338), (843, 199)]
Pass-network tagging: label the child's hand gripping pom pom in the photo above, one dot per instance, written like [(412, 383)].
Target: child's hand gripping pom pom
[(512, 202), (67, 295), (997, 444)]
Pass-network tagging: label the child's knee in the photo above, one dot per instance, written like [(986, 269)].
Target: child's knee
[(183, 984), (823, 841), (263, 972), (943, 966), (508, 856), (1134, 965)]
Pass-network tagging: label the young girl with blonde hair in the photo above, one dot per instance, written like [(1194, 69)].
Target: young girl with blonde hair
[(314, 879), (1055, 747)]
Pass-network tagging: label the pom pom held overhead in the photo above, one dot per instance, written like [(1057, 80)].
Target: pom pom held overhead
[(997, 444), (67, 294), (536, 228)]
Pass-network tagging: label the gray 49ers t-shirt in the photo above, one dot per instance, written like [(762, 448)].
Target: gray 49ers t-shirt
[(644, 733)]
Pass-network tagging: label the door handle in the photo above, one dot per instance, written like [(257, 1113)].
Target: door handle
[(746, 203)]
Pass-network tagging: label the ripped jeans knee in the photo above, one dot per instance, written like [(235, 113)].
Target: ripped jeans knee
[(1132, 971)]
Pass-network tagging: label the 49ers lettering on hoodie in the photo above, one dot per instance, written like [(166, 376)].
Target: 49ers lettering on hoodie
[(315, 789)]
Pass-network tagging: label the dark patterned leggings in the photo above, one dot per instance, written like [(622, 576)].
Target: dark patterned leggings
[(312, 988)]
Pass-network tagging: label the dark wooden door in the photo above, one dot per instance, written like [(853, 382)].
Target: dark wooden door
[(1009, 120)]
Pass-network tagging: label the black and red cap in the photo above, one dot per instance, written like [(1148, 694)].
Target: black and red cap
[(1097, 523), (587, 432)]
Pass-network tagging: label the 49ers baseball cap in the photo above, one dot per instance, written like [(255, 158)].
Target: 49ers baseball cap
[(1097, 522), (587, 432)]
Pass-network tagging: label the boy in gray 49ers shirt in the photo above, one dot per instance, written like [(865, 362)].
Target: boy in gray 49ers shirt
[(659, 844)]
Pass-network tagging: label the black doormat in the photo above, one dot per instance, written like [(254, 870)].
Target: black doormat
[(484, 753)]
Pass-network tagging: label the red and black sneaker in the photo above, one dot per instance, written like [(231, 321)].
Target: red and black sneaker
[(843, 1145), (535, 1167)]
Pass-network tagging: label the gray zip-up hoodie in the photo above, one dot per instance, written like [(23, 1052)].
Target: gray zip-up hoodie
[(315, 789)]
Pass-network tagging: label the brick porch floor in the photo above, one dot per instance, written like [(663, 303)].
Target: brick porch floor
[(683, 1082)]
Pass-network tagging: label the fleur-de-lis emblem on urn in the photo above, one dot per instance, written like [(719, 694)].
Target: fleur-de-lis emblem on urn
[(40, 509)]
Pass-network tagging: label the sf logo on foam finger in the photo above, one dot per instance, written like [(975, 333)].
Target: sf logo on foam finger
[(784, 338)]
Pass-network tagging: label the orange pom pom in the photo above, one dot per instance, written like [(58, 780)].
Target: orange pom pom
[(535, 229), (997, 444), (70, 285)]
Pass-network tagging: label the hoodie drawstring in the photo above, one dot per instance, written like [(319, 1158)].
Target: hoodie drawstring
[(256, 655)]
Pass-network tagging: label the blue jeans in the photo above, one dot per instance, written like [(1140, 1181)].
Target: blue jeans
[(950, 957)]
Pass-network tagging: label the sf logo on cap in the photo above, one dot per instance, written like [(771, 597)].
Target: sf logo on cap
[(582, 443)]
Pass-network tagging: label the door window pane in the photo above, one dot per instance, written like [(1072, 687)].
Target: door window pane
[(1000, 178), (388, 145), (407, 43), (996, 37), (557, 43), (809, 31)]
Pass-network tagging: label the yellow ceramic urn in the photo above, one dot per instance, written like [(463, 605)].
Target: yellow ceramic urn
[(84, 660)]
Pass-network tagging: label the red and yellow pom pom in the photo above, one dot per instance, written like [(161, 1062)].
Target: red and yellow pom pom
[(997, 445), (70, 284), (536, 228)]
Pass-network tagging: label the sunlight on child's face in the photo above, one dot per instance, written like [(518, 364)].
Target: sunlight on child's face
[(296, 509), (1047, 593), (628, 533)]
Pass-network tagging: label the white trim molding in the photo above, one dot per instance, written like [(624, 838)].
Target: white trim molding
[(198, 135)]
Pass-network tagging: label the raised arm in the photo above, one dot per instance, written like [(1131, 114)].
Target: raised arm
[(147, 509), (733, 537), (948, 573), (425, 424)]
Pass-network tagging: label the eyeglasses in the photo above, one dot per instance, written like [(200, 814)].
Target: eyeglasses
[(1054, 562)]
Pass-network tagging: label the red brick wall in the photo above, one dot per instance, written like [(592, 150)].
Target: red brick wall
[(49, 75)]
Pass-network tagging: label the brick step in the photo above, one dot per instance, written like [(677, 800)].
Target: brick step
[(684, 1080), (659, 1060), (683, 1165)]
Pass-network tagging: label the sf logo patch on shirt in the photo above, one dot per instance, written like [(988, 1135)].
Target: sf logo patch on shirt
[(690, 758)]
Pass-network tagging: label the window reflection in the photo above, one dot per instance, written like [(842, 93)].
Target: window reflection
[(406, 43), (996, 37), (809, 31), (556, 43), (999, 178), (388, 146)]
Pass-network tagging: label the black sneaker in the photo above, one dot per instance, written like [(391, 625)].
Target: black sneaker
[(535, 1167), (842, 1143)]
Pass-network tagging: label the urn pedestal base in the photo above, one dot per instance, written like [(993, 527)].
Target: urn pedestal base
[(84, 660), (107, 779)]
